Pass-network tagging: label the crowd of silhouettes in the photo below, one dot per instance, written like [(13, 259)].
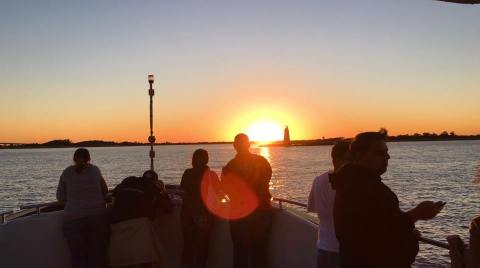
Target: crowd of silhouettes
[(361, 224)]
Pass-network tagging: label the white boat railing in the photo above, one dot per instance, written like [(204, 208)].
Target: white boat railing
[(27, 210), (429, 241), (49, 206)]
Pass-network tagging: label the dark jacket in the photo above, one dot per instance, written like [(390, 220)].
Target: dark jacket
[(370, 227), (137, 198), (255, 171), (193, 205)]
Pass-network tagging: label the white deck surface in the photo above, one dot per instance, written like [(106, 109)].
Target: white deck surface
[(37, 241)]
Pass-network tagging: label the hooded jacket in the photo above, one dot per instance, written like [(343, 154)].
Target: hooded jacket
[(371, 229)]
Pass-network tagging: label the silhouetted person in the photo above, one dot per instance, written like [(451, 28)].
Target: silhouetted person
[(86, 224), (370, 227), (321, 200), (250, 234), (137, 201), (197, 221)]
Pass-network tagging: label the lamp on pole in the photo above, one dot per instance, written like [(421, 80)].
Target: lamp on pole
[(151, 138)]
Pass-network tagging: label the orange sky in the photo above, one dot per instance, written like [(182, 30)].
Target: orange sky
[(311, 109), (219, 118), (215, 110), (323, 68)]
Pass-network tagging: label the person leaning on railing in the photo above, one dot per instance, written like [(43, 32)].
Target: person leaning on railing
[(137, 202), (86, 223)]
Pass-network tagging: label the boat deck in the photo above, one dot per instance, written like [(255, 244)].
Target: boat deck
[(37, 241)]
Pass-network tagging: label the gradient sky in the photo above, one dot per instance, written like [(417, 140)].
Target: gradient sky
[(326, 68)]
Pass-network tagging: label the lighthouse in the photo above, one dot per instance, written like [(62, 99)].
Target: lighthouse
[(286, 137)]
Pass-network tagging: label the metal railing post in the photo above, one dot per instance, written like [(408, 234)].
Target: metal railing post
[(3, 216)]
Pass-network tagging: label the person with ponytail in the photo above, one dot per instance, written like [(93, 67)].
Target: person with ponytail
[(86, 223)]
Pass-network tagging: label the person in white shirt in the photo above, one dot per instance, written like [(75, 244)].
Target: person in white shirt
[(321, 200)]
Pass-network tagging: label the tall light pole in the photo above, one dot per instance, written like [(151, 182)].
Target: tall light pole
[(151, 138)]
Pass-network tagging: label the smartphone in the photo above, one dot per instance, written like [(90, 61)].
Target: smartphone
[(441, 204)]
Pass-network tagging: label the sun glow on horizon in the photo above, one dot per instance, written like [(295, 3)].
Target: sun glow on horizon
[(266, 124), (265, 131)]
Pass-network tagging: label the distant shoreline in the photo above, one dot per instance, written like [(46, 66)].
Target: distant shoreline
[(315, 142), (401, 138), (97, 144)]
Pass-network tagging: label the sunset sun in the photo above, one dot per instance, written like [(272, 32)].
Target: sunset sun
[(265, 131)]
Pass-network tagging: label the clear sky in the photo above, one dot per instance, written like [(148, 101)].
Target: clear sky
[(325, 68)]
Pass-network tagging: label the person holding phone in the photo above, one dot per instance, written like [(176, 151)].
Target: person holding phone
[(371, 228)]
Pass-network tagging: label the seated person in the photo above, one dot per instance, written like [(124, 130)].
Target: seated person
[(137, 202)]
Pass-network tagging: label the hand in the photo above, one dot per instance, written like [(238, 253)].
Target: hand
[(159, 184), (417, 234), (426, 210)]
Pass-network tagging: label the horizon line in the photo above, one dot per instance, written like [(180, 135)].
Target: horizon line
[(420, 135)]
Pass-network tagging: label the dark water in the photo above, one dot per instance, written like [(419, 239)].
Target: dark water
[(448, 171)]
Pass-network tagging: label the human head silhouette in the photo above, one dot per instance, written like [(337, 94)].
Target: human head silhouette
[(81, 158), (200, 158), (150, 175), (340, 154), (241, 143), (369, 150)]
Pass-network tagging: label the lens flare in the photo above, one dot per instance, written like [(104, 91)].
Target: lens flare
[(231, 199)]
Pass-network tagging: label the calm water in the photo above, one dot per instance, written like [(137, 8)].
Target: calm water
[(417, 171)]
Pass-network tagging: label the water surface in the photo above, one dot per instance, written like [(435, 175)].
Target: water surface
[(417, 171)]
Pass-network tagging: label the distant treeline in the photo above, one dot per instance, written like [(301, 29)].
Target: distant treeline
[(426, 136), (444, 136), (66, 143)]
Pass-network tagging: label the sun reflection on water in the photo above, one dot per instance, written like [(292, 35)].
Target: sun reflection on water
[(265, 152)]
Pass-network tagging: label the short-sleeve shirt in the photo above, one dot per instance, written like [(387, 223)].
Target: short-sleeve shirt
[(321, 201)]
